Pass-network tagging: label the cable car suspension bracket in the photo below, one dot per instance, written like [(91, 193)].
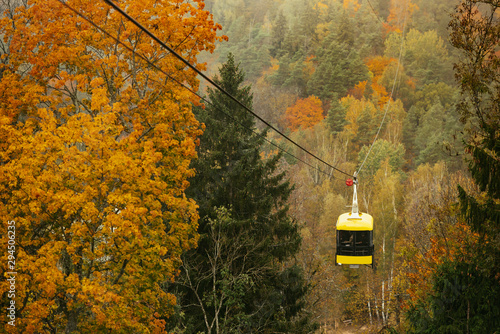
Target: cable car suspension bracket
[(354, 209)]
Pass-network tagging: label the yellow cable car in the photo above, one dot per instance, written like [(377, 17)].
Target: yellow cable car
[(354, 236)]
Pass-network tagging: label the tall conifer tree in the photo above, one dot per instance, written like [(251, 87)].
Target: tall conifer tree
[(237, 280), (279, 32)]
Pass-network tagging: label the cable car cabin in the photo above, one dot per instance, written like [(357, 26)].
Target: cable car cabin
[(354, 239)]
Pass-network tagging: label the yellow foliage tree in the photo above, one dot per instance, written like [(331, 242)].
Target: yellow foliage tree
[(95, 147), (354, 111), (305, 113), (354, 4)]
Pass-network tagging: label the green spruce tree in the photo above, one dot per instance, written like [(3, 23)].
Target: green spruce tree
[(340, 66), (239, 279), (278, 34), (336, 116)]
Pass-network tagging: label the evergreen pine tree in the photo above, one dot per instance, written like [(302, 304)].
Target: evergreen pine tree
[(280, 77), (336, 116), (278, 34), (238, 280), (340, 67)]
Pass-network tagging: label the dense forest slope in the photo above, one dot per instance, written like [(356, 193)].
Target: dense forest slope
[(327, 72)]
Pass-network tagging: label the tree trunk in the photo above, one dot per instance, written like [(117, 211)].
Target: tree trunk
[(369, 301), (72, 324), (384, 322)]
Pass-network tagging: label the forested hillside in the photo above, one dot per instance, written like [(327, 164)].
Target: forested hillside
[(137, 197), (327, 73)]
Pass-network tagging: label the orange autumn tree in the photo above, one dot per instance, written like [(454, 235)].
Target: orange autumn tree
[(376, 65), (305, 113), (400, 13), (95, 147)]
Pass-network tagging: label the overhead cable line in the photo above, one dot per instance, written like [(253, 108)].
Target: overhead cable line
[(172, 51), (189, 89), (375, 13), (392, 92)]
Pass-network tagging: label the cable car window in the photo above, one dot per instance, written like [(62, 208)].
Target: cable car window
[(346, 238), (363, 238)]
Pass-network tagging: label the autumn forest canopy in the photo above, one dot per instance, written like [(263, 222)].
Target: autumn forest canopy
[(136, 197)]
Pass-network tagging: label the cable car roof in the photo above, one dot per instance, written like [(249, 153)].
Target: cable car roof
[(348, 221)]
